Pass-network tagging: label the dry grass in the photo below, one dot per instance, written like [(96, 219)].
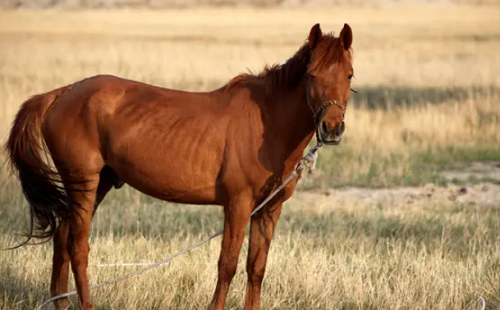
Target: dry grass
[(325, 256), (428, 96)]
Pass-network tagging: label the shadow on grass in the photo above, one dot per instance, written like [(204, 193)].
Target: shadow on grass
[(383, 97)]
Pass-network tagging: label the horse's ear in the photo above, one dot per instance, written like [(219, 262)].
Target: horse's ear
[(314, 35), (346, 37)]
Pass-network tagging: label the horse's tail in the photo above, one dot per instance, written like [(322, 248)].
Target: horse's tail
[(27, 156)]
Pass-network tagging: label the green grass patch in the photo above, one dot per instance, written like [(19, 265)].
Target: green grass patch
[(341, 166)]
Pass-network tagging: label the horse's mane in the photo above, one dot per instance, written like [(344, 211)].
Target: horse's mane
[(288, 75)]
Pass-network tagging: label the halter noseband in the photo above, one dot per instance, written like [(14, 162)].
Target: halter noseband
[(317, 114)]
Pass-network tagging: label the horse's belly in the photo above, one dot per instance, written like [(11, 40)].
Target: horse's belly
[(170, 183), (170, 193), (169, 170)]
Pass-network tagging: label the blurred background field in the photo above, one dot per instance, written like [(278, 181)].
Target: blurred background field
[(419, 163)]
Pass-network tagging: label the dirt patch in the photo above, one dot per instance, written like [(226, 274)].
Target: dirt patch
[(475, 187), (480, 194)]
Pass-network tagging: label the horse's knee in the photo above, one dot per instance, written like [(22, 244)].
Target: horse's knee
[(227, 269), (78, 260), (255, 273), (227, 273)]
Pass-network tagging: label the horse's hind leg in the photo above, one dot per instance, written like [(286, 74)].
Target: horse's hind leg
[(60, 266), (61, 257), (84, 195)]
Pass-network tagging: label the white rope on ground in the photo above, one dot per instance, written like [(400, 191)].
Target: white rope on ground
[(119, 265), (483, 302), (307, 161)]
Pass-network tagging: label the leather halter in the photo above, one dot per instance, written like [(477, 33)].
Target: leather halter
[(318, 113)]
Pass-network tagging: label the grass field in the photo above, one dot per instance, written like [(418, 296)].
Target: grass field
[(428, 100)]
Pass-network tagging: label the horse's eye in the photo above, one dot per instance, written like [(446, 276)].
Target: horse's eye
[(350, 76)]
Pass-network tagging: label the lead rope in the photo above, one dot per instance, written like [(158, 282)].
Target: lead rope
[(308, 161)]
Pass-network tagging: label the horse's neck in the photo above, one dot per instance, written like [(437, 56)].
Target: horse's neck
[(291, 119)]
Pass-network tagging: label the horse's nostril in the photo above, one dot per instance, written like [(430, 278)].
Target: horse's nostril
[(324, 127), (339, 129)]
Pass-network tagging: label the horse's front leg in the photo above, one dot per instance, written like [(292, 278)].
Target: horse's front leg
[(236, 217), (261, 234)]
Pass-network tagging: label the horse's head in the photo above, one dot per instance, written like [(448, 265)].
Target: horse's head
[(328, 83)]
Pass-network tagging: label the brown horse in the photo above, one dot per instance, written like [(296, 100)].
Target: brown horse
[(229, 147)]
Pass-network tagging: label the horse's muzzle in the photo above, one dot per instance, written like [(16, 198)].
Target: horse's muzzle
[(331, 136)]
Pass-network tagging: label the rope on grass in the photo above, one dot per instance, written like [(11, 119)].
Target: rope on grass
[(120, 265), (483, 302)]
